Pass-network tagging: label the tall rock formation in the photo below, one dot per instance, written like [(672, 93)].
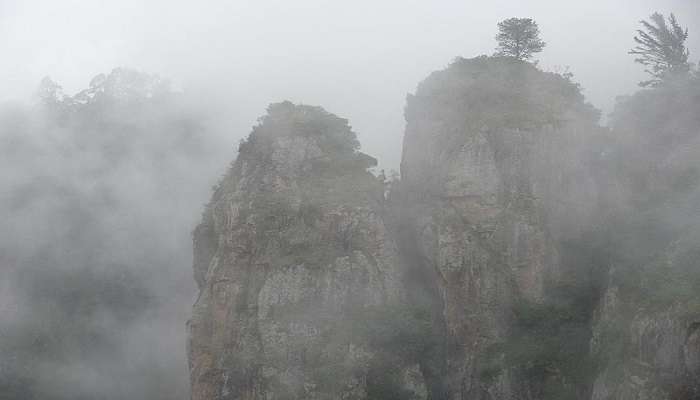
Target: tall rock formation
[(477, 177), (526, 253), (295, 264), (647, 329)]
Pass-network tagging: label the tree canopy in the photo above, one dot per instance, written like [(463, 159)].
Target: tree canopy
[(519, 38), (661, 48)]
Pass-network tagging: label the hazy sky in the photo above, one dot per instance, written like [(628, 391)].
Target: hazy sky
[(356, 58)]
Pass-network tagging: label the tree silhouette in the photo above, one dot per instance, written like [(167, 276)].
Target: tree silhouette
[(518, 38), (661, 48)]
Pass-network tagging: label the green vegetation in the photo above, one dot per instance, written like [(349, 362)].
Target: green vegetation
[(519, 38), (100, 188), (548, 344), (653, 244), (496, 94), (82, 281), (399, 335), (661, 47), (654, 261), (287, 119), (404, 331)]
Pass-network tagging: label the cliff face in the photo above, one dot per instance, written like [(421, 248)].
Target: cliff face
[(293, 260), (477, 176), (647, 326), (649, 354), (525, 253)]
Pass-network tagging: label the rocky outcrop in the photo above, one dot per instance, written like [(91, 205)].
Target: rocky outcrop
[(478, 179), (647, 330), (645, 340), (516, 258), (647, 354), (296, 265)]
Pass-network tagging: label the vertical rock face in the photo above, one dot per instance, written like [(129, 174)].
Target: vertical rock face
[(646, 327), (646, 335), (474, 176), (524, 254), (292, 257), (649, 354)]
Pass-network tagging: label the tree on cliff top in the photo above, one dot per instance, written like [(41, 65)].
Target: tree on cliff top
[(661, 48), (518, 38)]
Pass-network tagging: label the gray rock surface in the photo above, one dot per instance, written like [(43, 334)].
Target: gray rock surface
[(480, 274), (292, 252)]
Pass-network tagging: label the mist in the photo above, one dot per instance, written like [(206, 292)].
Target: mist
[(106, 166), (358, 59), (101, 191)]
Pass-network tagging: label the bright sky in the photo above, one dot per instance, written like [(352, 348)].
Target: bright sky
[(357, 58)]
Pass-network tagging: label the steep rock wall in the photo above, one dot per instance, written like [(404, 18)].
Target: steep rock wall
[(477, 177), (646, 327), (293, 260), (646, 353), (484, 275)]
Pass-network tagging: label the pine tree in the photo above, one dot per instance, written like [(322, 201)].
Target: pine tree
[(661, 48), (518, 38)]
